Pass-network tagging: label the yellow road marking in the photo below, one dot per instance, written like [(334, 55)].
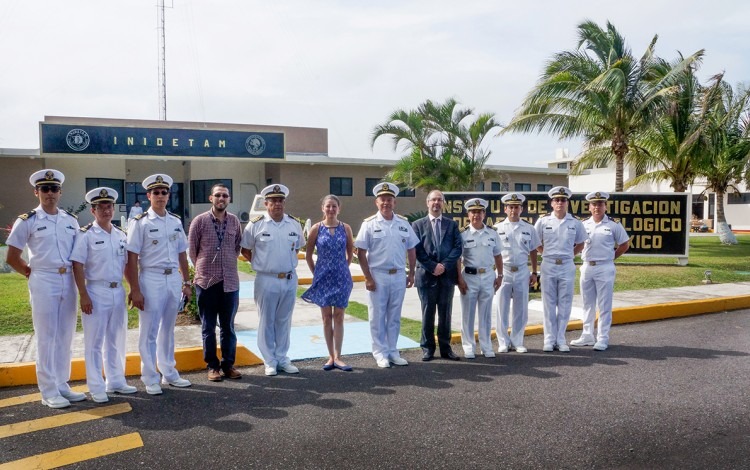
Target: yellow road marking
[(32, 397), (76, 454), (33, 425)]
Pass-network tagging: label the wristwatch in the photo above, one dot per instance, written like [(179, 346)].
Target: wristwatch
[(187, 284)]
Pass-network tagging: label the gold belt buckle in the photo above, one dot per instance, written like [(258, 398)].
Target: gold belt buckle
[(62, 270), (514, 269), (281, 275), (558, 261), (481, 270), (392, 271), (168, 271), (112, 285), (592, 263)]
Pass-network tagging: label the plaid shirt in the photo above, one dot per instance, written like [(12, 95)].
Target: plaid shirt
[(213, 265)]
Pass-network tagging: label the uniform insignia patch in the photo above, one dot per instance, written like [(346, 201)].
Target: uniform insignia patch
[(257, 218), (172, 213), (370, 218), (27, 215), (86, 227), (138, 217), (70, 213)]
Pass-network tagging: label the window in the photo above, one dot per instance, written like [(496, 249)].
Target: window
[(341, 186), (523, 187), (201, 189), (370, 185), (497, 186), (562, 166), (738, 198), (543, 187), (406, 192), (479, 186), (117, 185)]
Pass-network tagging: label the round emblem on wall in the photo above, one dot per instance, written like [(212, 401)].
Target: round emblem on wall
[(255, 144), (78, 139)]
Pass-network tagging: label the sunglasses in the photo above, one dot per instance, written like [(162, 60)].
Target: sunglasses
[(223, 196), (48, 187), (163, 192)]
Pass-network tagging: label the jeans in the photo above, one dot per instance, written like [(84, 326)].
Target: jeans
[(214, 303)]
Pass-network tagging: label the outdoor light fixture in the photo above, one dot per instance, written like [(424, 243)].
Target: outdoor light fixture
[(707, 277)]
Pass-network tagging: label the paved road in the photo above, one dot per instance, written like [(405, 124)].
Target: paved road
[(671, 394)]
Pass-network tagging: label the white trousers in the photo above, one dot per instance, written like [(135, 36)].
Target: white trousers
[(161, 297), (478, 299), (384, 312), (597, 287), (105, 328), (557, 296), (53, 313), (515, 287), (275, 300)]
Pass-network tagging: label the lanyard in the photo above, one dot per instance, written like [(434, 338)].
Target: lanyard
[(220, 230)]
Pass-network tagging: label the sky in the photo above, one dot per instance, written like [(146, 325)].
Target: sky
[(337, 64)]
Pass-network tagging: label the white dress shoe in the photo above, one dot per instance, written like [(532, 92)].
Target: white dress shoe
[(153, 389), (548, 348), (56, 402), (600, 346), (72, 396), (469, 355), (100, 397), (178, 382), (563, 347), (383, 363), (270, 371), (489, 354), (502, 349), (521, 349), (398, 361), (125, 389), (289, 368), (582, 341)]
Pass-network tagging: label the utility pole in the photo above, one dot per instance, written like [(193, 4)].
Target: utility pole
[(162, 62)]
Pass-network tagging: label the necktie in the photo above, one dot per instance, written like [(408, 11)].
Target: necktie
[(436, 231)]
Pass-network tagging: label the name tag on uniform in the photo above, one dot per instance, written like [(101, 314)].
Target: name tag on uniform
[(153, 230), (43, 227), (99, 242), (547, 228), (265, 234), (525, 233), (571, 228), (292, 234)]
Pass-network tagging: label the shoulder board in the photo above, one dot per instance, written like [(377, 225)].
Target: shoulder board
[(139, 216), (86, 227), (543, 215), (464, 228), (174, 215), (370, 218), (119, 228), (401, 216), (257, 218), (27, 215), (70, 213), (298, 219)]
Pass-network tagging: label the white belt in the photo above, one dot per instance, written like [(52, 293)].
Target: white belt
[(60, 270), (594, 263), (386, 270), (111, 285), (556, 260), (165, 271)]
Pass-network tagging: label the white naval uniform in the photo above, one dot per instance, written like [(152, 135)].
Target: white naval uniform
[(519, 239), (598, 274), (158, 242), (386, 242), (479, 250), (103, 256), (52, 289), (558, 237), (274, 246)]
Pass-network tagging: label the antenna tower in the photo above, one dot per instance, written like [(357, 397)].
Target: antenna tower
[(162, 62)]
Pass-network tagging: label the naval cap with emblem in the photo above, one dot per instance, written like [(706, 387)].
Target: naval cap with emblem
[(385, 189), (275, 190), (102, 194), (476, 204), (159, 180), (595, 196), (559, 192), (513, 199), (46, 176)]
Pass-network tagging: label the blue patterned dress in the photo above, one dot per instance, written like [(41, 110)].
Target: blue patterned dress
[(332, 281)]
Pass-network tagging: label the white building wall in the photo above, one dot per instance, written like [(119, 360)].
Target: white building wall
[(248, 178)]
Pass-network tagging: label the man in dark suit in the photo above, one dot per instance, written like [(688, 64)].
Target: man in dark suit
[(438, 251)]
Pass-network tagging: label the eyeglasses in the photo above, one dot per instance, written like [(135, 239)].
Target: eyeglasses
[(221, 195), (160, 193), (48, 187)]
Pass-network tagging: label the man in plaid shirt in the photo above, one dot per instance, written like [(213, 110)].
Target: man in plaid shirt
[(214, 244)]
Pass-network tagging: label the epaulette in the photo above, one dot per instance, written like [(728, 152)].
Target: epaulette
[(257, 218), (401, 216), (27, 215), (370, 218), (175, 215), (464, 228), (70, 213), (119, 228), (298, 219), (86, 227), (139, 216)]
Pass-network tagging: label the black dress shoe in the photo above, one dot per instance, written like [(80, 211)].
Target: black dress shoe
[(450, 356), (427, 356)]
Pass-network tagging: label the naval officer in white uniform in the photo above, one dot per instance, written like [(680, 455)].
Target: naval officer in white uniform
[(158, 274), (49, 233), (480, 259), (520, 242), (607, 240), (270, 242), (383, 243), (99, 257), (562, 237)]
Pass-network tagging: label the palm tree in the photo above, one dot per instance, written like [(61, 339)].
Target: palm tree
[(599, 92), (444, 145), (726, 117)]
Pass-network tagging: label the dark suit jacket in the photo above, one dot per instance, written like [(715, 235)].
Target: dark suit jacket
[(428, 255)]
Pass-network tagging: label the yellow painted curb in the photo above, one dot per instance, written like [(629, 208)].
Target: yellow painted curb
[(188, 359), (306, 281)]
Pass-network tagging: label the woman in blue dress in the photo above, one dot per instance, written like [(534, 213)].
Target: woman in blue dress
[(332, 280)]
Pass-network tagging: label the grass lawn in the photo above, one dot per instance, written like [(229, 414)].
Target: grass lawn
[(727, 264)]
